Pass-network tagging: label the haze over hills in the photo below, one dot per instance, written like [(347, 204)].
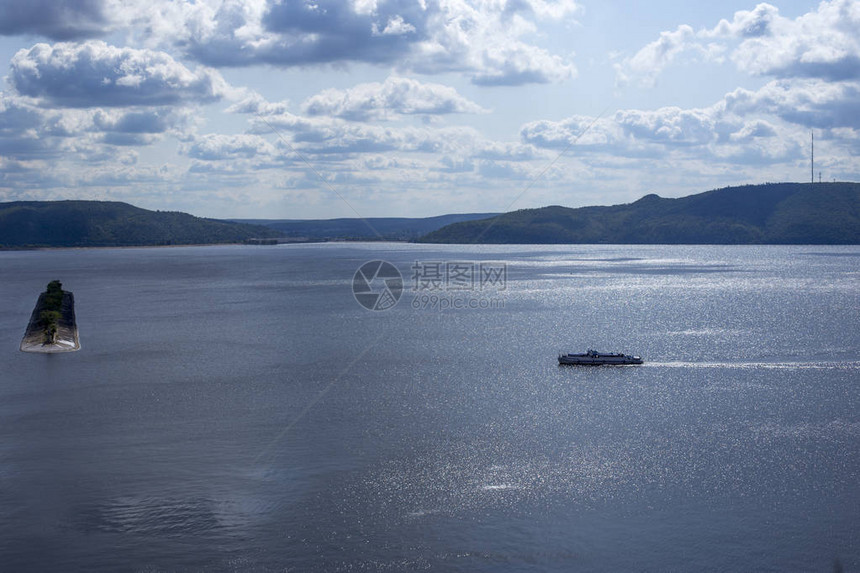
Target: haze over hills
[(776, 213), (111, 224), (371, 228)]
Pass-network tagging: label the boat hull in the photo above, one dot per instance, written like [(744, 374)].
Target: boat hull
[(592, 358)]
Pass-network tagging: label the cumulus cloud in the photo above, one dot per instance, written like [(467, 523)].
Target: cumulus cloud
[(588, 133), (220, 147), (754, 23), (762, 127), (823, 44), (810, 103), (485, 41), (55, 19), (647, 133), (488, 41), (19, 124), (333, 30), (93, 74), (16, 116), (31, 131), (505, 171), (556, 10), (323, 135), (518, 63), (396, 26), (453, 164), (74, 113), (671, 125), (152, 121), (395, 96), (648, 62), (755, 129), (257, 104), (499, 151)]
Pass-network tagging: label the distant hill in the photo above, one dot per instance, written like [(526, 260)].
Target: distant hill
[(390, 228), (109, 224), (777, 213)]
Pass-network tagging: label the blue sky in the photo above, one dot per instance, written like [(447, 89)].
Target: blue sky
[(319, 109)]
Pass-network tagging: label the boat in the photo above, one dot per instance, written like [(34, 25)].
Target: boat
[(594, 358)]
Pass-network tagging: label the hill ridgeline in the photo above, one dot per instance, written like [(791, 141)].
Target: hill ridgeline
[(775, 213), (112, 224)]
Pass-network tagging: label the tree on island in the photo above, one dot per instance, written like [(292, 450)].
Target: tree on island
[(51, 312)]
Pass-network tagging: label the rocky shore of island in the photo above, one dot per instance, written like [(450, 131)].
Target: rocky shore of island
[(52, 327)]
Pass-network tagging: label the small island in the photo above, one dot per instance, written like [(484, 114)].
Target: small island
[(52, 326)]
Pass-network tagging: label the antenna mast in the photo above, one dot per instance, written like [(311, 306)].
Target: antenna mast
[(812, 157)]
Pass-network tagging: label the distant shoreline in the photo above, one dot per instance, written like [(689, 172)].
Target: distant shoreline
[(81, 248), (417, 243), (86, 248)]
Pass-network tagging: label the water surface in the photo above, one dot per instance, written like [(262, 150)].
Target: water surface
[(235, 409)]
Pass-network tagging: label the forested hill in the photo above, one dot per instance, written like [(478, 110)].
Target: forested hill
[(108, 224), (371, 228), (776, 213)]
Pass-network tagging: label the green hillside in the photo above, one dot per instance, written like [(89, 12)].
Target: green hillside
[(368, 229), (778, 213), (109, 224)]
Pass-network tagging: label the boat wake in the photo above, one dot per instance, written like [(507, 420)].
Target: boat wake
[(819, 365)]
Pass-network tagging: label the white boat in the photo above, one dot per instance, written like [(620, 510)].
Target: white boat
[(594, 358)]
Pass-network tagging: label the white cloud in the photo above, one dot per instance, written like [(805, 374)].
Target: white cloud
[(16, 115), (95, 74), (499, 151), (396, 26), (647, 63), (323, 135), (219, 147), (255, 103), (553, 10), (639, 133), (505, 171), (587, 133), (30, 131), (822, 44), (141, 121), (454, 164), (747, 23), (396, 96), (672, 125), (76, 114), (518, 63), (754, 129), (810, 103), (55, 19), (766, 127), (485, 40)]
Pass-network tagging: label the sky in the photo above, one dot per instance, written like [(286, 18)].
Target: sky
[(284, 109)]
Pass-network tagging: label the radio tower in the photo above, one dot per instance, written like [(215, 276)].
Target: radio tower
[(812, 157)]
